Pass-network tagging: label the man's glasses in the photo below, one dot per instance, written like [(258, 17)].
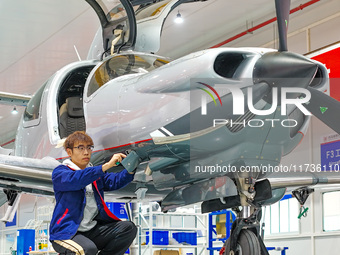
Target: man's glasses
[(82, 148)]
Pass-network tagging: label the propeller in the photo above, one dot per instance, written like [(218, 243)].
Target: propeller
[(283, 68), (282, 14), (325, 108), (287, 69)]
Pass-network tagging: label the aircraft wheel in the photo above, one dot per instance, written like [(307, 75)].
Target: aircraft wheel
[(247, 244)]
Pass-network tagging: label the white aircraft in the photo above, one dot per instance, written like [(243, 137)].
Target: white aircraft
[(209, 127)]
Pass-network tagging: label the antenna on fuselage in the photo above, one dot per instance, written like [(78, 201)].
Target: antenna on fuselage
[(75, 48)]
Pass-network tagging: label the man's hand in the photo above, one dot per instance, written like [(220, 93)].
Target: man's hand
[(118, 157)]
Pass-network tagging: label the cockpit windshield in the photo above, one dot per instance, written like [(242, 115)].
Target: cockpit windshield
[(124, 64)]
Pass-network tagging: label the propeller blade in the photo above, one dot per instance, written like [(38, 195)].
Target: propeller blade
[(282, 14), (325, 108)]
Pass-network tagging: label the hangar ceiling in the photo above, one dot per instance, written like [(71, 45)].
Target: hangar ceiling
[(38, 37)]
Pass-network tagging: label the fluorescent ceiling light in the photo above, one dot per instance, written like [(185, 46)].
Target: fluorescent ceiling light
[(178, 18), (14, 111)]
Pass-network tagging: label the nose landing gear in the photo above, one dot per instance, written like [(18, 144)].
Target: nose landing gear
[(245, 236), (247, 244)]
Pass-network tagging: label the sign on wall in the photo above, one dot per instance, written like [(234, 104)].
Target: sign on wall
[(330, 153)]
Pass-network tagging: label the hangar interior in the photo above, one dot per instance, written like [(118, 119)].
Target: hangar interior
[(310, 29)]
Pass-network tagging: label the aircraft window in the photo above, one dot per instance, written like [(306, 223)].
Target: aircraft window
[(331, 213), (122, 65), (73, 84), (226, 64), (281, 217), (32, 110)]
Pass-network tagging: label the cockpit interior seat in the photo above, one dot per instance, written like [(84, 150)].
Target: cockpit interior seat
[(71, 116), (63, 109)]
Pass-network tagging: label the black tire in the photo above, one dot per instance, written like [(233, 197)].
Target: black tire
[(247, 244)]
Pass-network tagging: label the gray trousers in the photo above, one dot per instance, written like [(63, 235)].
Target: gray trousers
[(110, 239)]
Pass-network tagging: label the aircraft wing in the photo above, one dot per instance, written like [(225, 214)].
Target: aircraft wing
[(26, 174), (35, 176)]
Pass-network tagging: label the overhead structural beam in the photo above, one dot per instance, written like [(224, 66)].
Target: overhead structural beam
[(263, 24), (306, 28), (14, 99)]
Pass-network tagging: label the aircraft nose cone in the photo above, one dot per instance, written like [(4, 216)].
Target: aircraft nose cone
[(284, 69)]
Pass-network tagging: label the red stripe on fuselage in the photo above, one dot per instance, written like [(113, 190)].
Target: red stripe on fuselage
[(11, 141)]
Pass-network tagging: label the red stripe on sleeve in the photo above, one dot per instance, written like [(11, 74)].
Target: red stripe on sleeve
[(62, 217)]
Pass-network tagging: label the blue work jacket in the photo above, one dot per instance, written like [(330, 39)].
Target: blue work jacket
[(69, 189)]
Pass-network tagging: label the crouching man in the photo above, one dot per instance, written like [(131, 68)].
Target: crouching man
[(81, 223)]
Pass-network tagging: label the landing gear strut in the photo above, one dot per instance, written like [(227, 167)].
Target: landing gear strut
[(245, 235)]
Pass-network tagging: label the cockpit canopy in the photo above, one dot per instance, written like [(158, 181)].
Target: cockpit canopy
[(118, 22), (124, 64)]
